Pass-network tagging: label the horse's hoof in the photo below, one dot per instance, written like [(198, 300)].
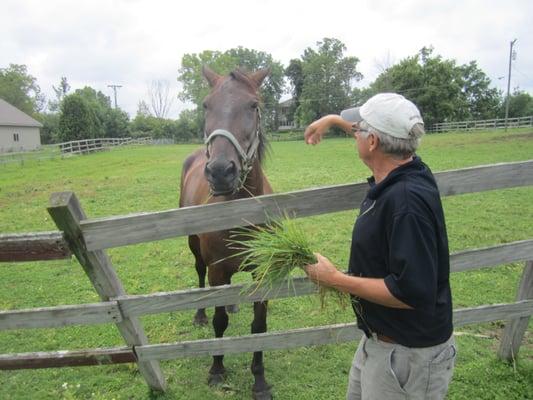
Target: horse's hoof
[(262, 394), (234, 308), (215, 379), (200, 321)]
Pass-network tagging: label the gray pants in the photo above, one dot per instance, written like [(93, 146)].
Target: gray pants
[(388, 371)]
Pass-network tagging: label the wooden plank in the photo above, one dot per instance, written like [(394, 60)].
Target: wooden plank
[(137, 305), (33, 246), (482, 178), (489, 256), (492, 312), (55, 359), (338, 333), (514, 331), (52, 317), (313, 336), (137, 228), (67, 213)]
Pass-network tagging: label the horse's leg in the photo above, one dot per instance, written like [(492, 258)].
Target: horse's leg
[(261, 389), (200, 318), (220, 323)]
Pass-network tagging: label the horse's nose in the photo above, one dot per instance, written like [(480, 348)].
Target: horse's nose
[(221, 172)]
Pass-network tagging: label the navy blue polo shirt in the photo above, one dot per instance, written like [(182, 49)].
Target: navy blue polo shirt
[(400, 236)]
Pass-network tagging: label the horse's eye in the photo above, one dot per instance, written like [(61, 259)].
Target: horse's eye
[(205, 105), (255, 104)]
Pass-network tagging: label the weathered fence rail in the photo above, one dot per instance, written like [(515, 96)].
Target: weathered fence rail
[(472, 125), (87, 239), (90, 145)]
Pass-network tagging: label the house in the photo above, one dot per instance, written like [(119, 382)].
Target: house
[(18, 131), (286, 115)]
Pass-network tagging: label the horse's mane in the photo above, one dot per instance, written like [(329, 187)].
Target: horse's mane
[(241, 75)]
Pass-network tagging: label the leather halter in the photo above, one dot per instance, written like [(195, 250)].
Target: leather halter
[(246, 158)]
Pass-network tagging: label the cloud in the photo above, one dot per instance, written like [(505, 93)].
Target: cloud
[(131, 43)]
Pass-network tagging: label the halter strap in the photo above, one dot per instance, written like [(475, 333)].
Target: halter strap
[(246, 158), (228, 135)]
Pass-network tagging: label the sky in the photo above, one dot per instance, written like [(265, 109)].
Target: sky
[(134, 42)]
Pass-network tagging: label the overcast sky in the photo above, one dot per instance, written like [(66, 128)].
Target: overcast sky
[(131, 43)]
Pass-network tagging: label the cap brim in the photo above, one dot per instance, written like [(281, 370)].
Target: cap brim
[(352, 114)]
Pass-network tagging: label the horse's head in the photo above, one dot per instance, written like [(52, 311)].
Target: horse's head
[(232, 128)]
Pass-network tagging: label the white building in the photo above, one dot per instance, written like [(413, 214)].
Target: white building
[(18, 131)]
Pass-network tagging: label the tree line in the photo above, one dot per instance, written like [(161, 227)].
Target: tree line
[(322, 80)]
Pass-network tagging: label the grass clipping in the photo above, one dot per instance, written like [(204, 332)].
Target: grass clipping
[(273, 251)]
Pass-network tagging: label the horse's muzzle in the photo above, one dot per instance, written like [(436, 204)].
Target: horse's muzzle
[(222, 176)]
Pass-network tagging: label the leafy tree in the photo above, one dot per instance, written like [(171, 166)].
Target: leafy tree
[(116, 123), (50, 129), (188, 127), (195, 88), (520, 105), (327, 76), (443, 90), (143, 108), (20, 89), (294, 72), (78, 119)]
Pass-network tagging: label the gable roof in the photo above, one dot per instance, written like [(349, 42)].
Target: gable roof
[(12, 116)]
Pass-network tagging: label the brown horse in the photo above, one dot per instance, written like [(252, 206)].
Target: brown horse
[(228, 168)]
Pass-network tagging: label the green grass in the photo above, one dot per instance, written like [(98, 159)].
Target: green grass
[(141, 179)]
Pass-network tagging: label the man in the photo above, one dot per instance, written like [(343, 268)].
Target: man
[(399, 262)]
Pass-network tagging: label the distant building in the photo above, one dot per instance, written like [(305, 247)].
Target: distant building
[(286, 115), (18, 131)]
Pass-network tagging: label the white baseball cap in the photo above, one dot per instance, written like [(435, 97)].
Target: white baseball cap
[(389, 113)]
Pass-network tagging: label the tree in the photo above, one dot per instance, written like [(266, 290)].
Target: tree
[(20, 89), (443, 90), (327, 80), (294, 72), (116, 123), (60, 91), (195, 88), (520, 105), (78, 119), (160, 98)]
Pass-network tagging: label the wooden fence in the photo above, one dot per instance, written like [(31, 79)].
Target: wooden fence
[(61, 150), (87, 239), (472, 125), (90, 145)]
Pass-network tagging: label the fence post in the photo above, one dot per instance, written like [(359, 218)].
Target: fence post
[(514, 330), (67, 213)]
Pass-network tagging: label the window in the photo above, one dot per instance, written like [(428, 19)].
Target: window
[(16, 137)]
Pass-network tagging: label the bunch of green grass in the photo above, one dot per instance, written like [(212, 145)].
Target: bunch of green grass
[(273, 252)]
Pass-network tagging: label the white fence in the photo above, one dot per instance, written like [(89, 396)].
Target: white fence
[(483, 124)]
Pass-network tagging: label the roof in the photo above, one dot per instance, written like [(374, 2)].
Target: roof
[(12, 116)]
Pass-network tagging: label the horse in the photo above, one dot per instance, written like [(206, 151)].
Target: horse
[(228, 168)]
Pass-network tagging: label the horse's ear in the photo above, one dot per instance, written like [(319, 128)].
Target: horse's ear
[(211, 77), (259, 76)]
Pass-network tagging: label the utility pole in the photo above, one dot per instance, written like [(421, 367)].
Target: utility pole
[(115, 91), (509, 84)]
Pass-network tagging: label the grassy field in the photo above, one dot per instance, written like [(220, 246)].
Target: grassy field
[(140, 179)]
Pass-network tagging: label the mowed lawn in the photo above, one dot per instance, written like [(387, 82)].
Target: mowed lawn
[(139, 179)]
